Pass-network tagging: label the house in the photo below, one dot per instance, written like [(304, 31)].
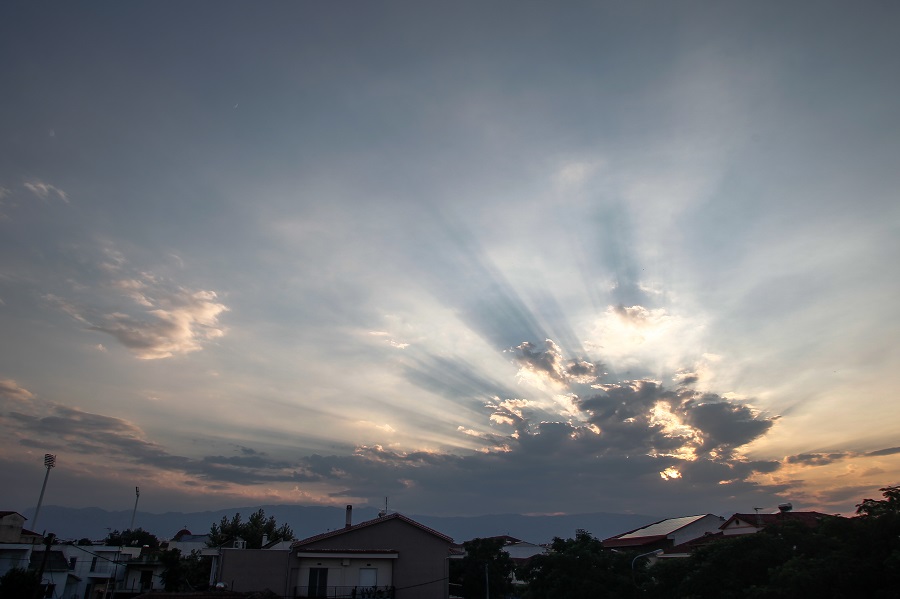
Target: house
[(12, 529), (55, 573), (390, 556), (742, 524), (666, 534), (100, 569)]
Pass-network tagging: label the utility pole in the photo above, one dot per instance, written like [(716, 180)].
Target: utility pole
[(49, 462), (48, 540)]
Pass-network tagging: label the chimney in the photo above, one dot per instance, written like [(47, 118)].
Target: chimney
[(349, 522)]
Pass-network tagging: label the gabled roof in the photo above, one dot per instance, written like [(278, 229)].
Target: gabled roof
[(651, 533), (367, 523), (762, 520), (4, 514)]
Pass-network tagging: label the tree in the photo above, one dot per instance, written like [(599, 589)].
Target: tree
[(251, 531), (880, 507), (84, 542), (579, 568), (184, 573), (132, 538), (485, 560), (18, 583)]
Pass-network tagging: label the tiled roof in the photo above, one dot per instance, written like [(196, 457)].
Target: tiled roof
[(808, 518), (367, 523)]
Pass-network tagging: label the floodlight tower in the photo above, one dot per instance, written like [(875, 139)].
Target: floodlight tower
[(137, 495), (49, 462)]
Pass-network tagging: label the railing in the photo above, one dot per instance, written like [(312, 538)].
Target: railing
[(357, 592)]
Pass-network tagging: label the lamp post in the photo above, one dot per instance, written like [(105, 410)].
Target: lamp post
[(49, 462), (655, 552)]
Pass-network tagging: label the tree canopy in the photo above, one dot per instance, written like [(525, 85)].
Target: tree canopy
[(132, 538), (252, 531), (484, 567), (579, 568)]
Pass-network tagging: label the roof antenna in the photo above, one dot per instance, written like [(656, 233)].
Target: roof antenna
[(758, 519), (384, 512)]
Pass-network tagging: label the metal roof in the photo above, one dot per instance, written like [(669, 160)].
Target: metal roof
[(661, 528)]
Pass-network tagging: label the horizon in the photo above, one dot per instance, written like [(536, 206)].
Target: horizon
[(477, 259)]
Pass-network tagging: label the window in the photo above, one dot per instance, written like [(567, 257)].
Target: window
[(368, 577), (72, 562), (93, 564)]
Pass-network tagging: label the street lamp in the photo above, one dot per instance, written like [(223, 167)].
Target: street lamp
[(49, 462), (637, 557)]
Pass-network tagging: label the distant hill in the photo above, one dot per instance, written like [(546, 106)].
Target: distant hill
[(72, 523)]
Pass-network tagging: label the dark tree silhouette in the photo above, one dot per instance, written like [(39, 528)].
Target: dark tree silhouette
[(252, 531)]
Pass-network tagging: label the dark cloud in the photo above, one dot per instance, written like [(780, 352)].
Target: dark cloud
[(883, 452), (75, 431), (816, 459), (724, 424), (549, 362)]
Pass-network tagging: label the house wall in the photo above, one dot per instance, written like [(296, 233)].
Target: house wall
[(421, 570), (250, 570), (11, 528), (342, 572), (707, 524), (739, 527)]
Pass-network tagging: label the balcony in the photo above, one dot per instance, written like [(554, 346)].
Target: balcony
[(357, 592)]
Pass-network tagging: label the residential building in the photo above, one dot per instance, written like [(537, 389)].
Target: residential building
[(392, 554), (667, 533), (742, 524)]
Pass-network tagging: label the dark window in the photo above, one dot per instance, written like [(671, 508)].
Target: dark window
[(93, 564), (72, 561), (318, 582)]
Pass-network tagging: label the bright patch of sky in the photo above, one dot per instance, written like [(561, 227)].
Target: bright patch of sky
[(477, 258)]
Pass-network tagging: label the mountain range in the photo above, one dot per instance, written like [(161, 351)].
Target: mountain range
[(95, 523)]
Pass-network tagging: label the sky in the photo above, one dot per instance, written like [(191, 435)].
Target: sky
[(474, 257)]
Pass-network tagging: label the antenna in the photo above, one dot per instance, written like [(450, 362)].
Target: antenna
[(758, 519)]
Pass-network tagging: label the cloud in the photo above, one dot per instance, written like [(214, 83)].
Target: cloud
[(163, 320), (818, 459), (10, 389), (550, 365), (178, 324), (105, 441), (883, 452), (45, 190)]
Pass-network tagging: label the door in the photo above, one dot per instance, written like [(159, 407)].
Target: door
[(318, 582)]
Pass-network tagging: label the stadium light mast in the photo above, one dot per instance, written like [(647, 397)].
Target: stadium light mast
[(137, 495), (49, 462)]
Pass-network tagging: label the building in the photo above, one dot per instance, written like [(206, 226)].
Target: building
[(742, 524), (666, 534), (391, 556)]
